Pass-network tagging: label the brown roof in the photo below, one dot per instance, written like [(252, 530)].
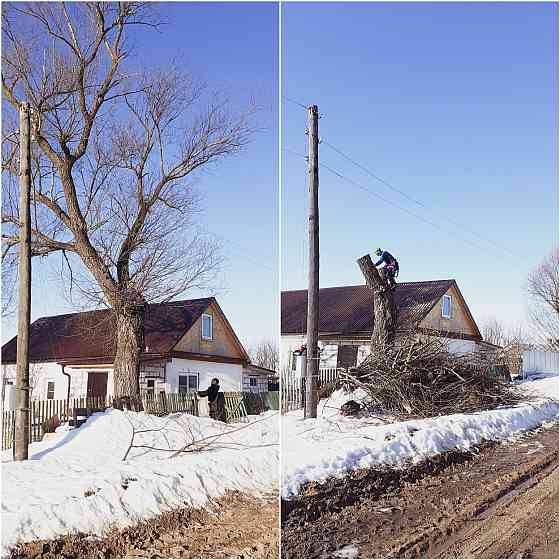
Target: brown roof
[(90, 335), (348, 310)]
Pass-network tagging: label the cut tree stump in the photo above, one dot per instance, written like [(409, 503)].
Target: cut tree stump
[(385, 312)]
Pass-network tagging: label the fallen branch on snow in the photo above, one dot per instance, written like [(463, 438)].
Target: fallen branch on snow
[(192, 445)]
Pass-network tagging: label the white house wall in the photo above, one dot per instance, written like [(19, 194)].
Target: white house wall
[(230, 375), (329, 353), (287, 346), (456, 346), (41, 373), (260, 387)]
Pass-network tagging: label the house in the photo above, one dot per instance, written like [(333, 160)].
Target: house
[(187, 344), (434, 307), (257, 379)]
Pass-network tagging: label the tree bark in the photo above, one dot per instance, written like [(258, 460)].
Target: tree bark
[(385, 312), (129, 324)]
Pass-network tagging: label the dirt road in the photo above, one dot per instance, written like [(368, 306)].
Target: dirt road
[(499, 503), (238, 526)]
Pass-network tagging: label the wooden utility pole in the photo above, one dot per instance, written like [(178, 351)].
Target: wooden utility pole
[(21, 440), (312, 372)]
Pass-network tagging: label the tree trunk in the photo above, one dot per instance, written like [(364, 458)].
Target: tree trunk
[(385, 312), (130, 343)]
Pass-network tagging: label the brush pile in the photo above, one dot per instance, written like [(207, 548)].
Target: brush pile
[(421, 378)]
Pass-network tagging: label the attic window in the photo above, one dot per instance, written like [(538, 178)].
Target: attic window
[(207, 327), (446, 310)]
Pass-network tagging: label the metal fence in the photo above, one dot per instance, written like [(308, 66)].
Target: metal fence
[(293, 387), (539, 361)]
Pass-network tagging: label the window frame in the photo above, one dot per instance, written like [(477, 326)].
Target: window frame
[(253, 381), (450, 300), (207, 316), (51, 398), (188, 375)]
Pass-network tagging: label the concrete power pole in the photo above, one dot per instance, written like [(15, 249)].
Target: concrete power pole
[(21, 440), (312, 373)]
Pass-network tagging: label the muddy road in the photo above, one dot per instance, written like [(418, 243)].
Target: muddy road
[(237, 526), (501, 502)]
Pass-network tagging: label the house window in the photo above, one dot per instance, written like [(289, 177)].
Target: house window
[(188, 383), (207, 327), (150, 386), (446, 310), (253, 381), (50, 390)]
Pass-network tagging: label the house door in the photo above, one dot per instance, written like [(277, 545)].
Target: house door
[(97, 384)]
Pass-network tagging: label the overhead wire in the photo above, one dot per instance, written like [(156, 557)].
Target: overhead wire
[(406, 195), (376, 177), (295, 102), (388, 201), (428, 207)]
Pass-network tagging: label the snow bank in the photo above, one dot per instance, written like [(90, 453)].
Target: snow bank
[(332, 445), (545, 385), (76, 481)]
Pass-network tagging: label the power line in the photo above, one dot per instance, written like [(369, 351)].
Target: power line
[(390, 202), (295, 102), (405, 195), (243, 253), (376, 177)]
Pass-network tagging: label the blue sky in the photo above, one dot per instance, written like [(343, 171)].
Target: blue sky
[(455, 104), (233, 47)]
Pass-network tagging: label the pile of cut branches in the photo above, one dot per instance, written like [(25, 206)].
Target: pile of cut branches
[(419, 377)]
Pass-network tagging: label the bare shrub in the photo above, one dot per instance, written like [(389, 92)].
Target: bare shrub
[(51, 424), (326, 390)]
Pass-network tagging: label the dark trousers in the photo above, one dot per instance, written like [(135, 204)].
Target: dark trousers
[(213, 409), (390, 272)]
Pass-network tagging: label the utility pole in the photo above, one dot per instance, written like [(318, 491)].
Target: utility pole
[(21, 440), (312, 372)]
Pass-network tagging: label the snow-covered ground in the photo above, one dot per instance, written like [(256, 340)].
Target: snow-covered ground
[(76, 480), (332, 444)]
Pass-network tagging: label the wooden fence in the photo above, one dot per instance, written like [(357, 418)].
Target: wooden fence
[(236, 406), (257, 403), (293, 387), (168, 403), (43, 410)]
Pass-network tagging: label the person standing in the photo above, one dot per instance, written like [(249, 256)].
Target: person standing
[(212, 394)]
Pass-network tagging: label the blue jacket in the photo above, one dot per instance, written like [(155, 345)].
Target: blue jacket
[(387, 258)]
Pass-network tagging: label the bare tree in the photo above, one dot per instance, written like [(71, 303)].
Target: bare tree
[(494, 332), (113, 157), (542, 287), (512, 342), (265, 354)]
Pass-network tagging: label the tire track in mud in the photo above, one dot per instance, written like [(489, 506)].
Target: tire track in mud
[(423, 511)]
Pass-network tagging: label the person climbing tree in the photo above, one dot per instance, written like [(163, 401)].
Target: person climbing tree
[(391, 266)]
